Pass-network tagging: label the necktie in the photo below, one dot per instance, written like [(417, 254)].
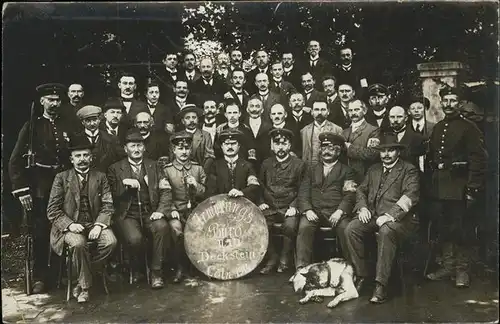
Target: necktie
[(330, 100), (126, 100), (190, 78), (417, 129), (83, 179), (93, 139), (113, 132), (384, 176), (136, 168)]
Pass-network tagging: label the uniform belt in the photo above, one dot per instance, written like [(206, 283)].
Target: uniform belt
[(443, 165), (47, 166)]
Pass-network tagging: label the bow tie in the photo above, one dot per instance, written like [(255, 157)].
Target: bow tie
[(152, 106), (126, 100), (210, 124), (238, 92)]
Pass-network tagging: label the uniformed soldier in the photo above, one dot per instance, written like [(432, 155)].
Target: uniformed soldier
[(456, 171), (49, 136), (186, 179), (280, 177)]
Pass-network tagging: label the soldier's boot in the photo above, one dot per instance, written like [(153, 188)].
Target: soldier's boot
[(272, 258), (447, 269), (285, 254), (179, 260)]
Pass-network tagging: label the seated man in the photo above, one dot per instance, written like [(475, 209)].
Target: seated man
[(326, 197), (186, 179), (232, 174), (140, 204), (384, 202), (80, 209), (281, 176)]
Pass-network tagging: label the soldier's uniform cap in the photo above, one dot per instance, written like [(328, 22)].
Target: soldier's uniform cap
[(190, 108), (378, 88), (181, 139), (277, 134), (230, 134), (88, 111), (331, 138), (50, 89), (449, 91), (79, 143), (133, 135), (113, 103)]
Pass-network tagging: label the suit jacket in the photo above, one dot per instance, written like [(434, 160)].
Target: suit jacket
[(173, 109), (359, 155), (250, 79), (231, 94), (272, 99), (284, 89), (415, 146), (337, 115), (219, 179), (201, 90), (294, 77), (305, 120), (321, 69), (315, 96), (202, 151), (68, 112), (160, 198), (396, 196), (136, 107), (324, 195), (262, 140), (307, 141), (106, 151), (372, 119), (166, 80), (197, 75), (353, 76), (162, 115), (64, 203), (157, 145), (429, 126)]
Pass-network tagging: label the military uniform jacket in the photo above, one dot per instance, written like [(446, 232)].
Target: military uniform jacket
[(202, 151), (324, 195), (457, 159), (64, 203), (396, 196), (182, 195), (50, 145), (220, 179), (280, 182)]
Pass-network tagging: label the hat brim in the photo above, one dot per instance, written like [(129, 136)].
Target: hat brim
[(395, 145)]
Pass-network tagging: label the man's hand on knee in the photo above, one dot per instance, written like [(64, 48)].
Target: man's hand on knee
[(311, 216), (95, 232), (75, 228), (156, 215), (291, 211)]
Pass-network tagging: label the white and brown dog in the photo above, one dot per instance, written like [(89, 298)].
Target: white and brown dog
[(332, 278)]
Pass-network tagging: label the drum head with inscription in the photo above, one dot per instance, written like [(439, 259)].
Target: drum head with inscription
[(226, 238)]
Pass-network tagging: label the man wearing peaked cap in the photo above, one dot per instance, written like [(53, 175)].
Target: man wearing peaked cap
[(202, 151), (326, 197), (230, 135), (186, 178), (280, 177), (49, 137), (378, 101)]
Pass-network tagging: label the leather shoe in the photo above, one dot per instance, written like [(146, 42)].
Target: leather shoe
[(38, 287), (83, 297), (156, 281), (282, 268), (267, 269), (379, 294), (443, 273), (360, 284), (76, 291), (179, 276), (462, 279)]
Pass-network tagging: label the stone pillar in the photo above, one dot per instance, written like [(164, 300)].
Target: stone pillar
[(435, 76)]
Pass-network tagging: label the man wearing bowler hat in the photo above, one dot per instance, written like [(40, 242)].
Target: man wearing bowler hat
[(378, 112), (231, 174), (280, 176), (113, 111), (80, 209), (32, 177), (385, 202), (141, 203), (186, 180), (326, 197)]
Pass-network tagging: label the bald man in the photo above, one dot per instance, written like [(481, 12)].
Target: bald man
[(209, 85), (156, 142)]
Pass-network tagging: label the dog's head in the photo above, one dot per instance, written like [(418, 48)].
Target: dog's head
[(311, 277)]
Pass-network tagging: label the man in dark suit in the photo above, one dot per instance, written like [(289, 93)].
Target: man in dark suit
[(291, 72), (163, 121), (208, 84), (338, 108), (317, 65), (223, 70), (236, 58), (181, 98), (190, 73), (384, 204), (104, 146), (80, 209), (236, 92), (231, 174), (155, 142), (262, 61), (349, 72), (113, 113), (168, 75), (259, 129), (326, 197), (298, 117), (417, 120), (378, 99), (310, 93), (278, 84), (68, 111), (128, 86), (267, 97), (456, 172), (212, 117), (141, 202)]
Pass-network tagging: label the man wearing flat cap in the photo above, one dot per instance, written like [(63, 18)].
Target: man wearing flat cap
[(280, 177), (326, 197), (231, 174), (186, 180), (80, 209), (49, 135), (202, 149), (104, 146), (385, 202), (378, 101), (455, 176), (141, 203)]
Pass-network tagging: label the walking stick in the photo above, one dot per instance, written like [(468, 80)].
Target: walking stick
[(29, 255), (142, 228)]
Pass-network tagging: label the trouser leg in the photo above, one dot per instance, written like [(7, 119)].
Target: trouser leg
[(355, 235), (81, 258), (106, 244), (289, 235), (159, 231), (305, 240), (176, 228), (130, 231), (341, 236), (462, 235), (41, 239)]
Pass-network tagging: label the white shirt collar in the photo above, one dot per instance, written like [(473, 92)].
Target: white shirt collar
[(420, 122), (133, 163), (347, 67), (288, 69), (191, 74), (255, 120), (356, 125), (146, 136), (240, 91), (308, 92), (390, 166), (298, 114), (233, 160), (315, 58), (379, 113), (89, 133), (318, 125), (278, 81), (210, 121), (192, 131), (171, 70), (264, 93), (211, 81), (233, 125), (280, 126), (333, 96), (128, 97), (82, 173), (330, 165), (179, 99), (283, 159)]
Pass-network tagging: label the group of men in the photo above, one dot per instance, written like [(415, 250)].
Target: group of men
[(307, 158)]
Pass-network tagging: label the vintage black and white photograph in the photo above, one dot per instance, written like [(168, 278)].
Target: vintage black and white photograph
[(250, 162)]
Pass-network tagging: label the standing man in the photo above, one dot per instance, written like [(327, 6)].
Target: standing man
[(267, 97), (318, 66), (377, 115), (32, 185), (310, 93), (417, 120), (291, 72), (181, 98), (457, 162), (236, 59), (361, 138), (211, 117), (262, 60), (201, 146), (278, 84), (208, 84), (352, 74), (169, 75), (140, 203), (310, 133), (337, 107), (384, 204), (231, 174), (155, 142), (281, 176), (299, 118), (260, 130), (190, 72), (75, 96), (80, 209), (127, 86), (223, 68), (346, 94), (161, 114), (186, 180), (237, 92), (326, 197)]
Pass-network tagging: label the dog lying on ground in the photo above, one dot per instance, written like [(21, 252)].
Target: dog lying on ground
[(332, 278)]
